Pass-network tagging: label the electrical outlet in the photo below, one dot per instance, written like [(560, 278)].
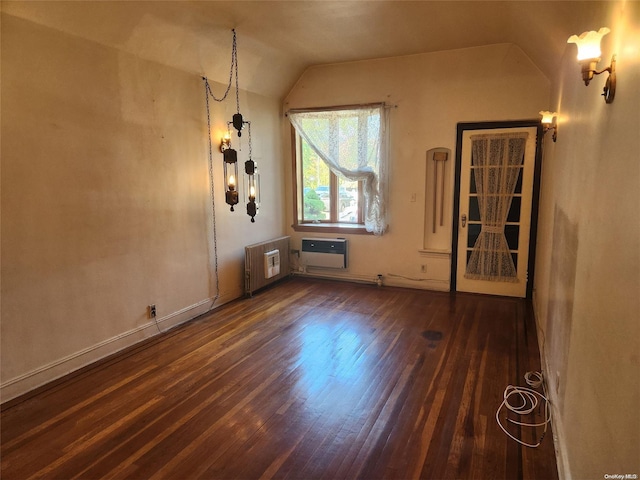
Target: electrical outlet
[(152, 311), (423, 268)]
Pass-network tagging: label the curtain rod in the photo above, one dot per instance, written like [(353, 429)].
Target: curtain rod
[(339, 107)]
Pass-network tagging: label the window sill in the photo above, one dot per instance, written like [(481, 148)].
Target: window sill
[(331, 228)]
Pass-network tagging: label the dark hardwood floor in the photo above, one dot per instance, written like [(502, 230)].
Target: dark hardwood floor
[(307, 379)]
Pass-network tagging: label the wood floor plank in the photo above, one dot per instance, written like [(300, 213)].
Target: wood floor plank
[(306, 379)]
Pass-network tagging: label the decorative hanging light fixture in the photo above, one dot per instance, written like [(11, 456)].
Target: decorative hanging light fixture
[(230, 155), (231, 175), (253, 184), (253, 204)]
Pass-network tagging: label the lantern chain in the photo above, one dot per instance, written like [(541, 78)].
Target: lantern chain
[(234, 65), (213, 197), (234, 53)]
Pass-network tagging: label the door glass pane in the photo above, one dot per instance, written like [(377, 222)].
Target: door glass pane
[(519, 182), (511, 232), (473, 234), (514, 210), (474, 209)]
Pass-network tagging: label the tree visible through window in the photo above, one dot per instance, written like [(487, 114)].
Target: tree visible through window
[(340, 166), (326, 197)]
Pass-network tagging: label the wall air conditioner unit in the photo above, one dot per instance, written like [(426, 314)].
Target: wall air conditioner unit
[(324, 252)]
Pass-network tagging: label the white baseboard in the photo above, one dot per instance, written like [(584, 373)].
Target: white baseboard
[(335, 274), (419, 283), (54, 370), (562, 462), (389, 280)]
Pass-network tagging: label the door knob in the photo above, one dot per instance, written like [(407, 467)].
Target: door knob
[(464, 220)]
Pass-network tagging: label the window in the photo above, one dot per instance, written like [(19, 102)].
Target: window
[(326, 198), (340, 166)]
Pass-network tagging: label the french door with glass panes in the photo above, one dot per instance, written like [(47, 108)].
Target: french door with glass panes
[(496, 175)]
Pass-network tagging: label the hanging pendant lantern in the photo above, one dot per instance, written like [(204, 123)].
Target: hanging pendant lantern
[(252, 183), (230, 155), (253, 188), (231, 176)]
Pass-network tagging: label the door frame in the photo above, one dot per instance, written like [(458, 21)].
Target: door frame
[(535, 200)]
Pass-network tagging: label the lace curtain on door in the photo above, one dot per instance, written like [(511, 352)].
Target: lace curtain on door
[(335, 135), (496, 161)]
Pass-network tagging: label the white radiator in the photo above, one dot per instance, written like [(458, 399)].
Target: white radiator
[(265, 263), (324, 252)]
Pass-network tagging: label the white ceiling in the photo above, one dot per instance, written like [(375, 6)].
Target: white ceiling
[(278, 40)]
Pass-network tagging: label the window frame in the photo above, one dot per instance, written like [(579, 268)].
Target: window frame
[(331, 225)]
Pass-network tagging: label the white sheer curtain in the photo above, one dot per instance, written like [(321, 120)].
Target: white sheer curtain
[(496, 164), (353, 143)]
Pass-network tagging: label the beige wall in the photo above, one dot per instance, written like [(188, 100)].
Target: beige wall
[(106, 203), (587, 286), (433, 92)]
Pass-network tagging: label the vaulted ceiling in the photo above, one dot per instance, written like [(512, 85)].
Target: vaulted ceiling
[(278, 40)]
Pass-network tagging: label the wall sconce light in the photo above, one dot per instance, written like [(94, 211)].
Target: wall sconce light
[(589, 55), (548, 124), (225, 143)]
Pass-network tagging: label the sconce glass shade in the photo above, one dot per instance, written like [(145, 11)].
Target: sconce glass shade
[(548, 124), (547, 117), (225, 143), (588, 44), (589, 55)]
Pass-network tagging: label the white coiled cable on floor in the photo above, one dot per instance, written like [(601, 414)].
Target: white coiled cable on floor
[(528, 400)]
